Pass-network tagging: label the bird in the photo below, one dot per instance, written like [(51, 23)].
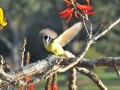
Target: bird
[(54, 43)]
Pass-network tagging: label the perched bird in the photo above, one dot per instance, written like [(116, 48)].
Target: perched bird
[(54, 43)]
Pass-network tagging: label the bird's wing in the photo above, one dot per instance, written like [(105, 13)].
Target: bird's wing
[(48, 32), (69, 34)]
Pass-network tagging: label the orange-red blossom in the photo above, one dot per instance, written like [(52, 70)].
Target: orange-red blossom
[(29, 87), (54, 87), (68, 12)]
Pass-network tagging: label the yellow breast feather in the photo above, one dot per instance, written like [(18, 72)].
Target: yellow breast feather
[(55, 48)]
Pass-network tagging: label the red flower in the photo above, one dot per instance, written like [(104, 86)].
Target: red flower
[(28, 79), (68, 12), (90, 13), (29, 87), (53, 87), (83, 7)]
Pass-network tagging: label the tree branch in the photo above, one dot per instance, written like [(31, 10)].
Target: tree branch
[(51, 62), (92, 76), (108, 29), (72, 79)]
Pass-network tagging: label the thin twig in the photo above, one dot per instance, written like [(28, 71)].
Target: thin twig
[(117, 70), (8, 87), (72, 74), (54, 81), (22, 50), (108, 29), (91, 28), (98, 31), (92, 76), (48, 83), (27, 61), (72, 79), (85, 26)]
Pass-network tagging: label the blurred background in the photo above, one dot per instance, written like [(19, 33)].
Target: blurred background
[(27, 17)]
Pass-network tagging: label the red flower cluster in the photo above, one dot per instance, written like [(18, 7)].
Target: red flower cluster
[(30, 87), (68, 12)]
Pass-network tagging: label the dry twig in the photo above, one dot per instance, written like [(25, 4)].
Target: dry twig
[(22, 50), (92, 76)]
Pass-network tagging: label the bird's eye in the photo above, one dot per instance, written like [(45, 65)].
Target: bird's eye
[(45, 37)]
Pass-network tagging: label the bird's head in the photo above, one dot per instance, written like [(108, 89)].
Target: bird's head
[(47, 40)]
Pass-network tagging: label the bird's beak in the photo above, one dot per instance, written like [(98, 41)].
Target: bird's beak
[(47, 43)]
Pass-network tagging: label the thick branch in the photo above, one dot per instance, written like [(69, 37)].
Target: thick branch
[(40, 67), (106, 61)]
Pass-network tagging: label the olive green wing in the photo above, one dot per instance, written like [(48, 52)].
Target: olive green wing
[(69, 34), (48, 32)]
